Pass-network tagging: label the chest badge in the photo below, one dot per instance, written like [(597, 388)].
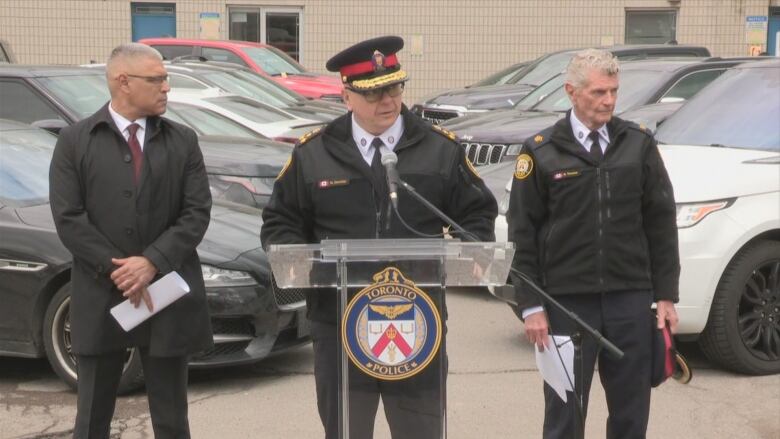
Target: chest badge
[(523, 166), (391, 328)]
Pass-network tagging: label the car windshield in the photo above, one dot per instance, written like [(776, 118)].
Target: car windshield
[(542, 71), (502, 76), (636, 87), (258, 89), (82, 94), (273, 61), (740, 109), (25, 155), (208, 123), (251, 110), (541, 92)]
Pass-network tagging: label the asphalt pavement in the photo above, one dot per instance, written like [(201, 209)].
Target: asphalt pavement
[(494, 392)]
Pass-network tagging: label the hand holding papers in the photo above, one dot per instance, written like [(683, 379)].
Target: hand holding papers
[(551, 367), (163, 292)]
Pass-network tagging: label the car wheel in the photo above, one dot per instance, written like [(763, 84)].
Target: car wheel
[(743, 330), (57, 341)]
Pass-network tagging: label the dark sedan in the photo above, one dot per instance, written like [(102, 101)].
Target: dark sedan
[(456, 103), (498, 135), (251, 319)]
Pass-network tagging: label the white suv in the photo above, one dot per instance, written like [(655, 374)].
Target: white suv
[(722, 152)]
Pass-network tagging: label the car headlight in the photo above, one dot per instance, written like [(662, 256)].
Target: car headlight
[(218, 277), (514, 149), (689, 214)]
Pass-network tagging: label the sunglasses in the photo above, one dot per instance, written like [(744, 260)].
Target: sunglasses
[(375, 95), (156, 80)]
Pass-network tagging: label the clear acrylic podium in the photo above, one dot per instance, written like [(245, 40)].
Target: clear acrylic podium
[(391, 314)]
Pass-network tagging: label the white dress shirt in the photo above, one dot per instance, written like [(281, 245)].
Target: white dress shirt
[(363, 138), (582, 133), (122, 123)]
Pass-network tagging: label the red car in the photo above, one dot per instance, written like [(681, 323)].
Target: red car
[(262, 58)]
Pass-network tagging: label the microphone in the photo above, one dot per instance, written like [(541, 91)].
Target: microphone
[(389, 161)]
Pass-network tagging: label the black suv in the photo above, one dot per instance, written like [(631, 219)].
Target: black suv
[(459, 102)]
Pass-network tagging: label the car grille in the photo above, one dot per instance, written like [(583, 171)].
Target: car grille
[(438, 116), (287, 296), (484, 153), (224, 349)]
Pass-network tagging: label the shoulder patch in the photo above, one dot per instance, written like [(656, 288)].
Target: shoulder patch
[(444, 132), (523, 166), (308, 136)]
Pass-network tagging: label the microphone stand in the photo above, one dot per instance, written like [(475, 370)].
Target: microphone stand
[(576, 337)]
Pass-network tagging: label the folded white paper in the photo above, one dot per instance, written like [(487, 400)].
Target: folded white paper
[(552, 368), (163, 292)]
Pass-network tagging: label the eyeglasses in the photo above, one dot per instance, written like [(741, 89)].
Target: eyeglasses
[(375, 95), (156, 80)]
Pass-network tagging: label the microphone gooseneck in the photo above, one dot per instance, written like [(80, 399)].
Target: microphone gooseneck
[(389, 161)]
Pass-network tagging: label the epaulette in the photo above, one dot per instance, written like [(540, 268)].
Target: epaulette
[(308, 136), (639, 127), (540, 138), (444, 132)]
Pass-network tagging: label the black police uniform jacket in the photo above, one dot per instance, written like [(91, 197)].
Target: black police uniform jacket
[(584, 227), (326, 191), (101, 214)]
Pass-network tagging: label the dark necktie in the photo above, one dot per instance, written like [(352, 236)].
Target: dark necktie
[(595, 147), (378, 170), (135, 150)]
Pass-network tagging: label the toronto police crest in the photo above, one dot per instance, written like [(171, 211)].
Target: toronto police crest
[(391, 329)]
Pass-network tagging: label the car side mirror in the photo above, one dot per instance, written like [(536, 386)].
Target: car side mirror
[(51, 125)]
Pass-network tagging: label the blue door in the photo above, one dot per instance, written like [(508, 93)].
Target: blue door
[(152, 20), (773, 32)]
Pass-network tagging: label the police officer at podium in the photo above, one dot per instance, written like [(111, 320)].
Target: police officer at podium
[(334, 187)]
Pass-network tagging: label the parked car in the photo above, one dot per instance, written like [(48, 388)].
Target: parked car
[(235, 79), (263, 119), (498, 135), (55, 97), (262, 58), (502, 76), (251, 319), (456, 103), (722, 152)]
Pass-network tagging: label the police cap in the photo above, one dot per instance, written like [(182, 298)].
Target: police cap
[(369, 64)]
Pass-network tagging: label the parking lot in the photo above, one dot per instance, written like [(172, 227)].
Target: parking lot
[(493, 392)]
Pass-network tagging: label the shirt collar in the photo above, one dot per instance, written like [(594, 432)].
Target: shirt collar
[(390, 137), (122, 122), (581, 131)]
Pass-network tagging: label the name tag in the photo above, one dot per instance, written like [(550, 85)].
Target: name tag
[(561, 175), (325, 184)]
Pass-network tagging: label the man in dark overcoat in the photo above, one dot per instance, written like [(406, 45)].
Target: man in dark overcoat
[(131, 201)]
